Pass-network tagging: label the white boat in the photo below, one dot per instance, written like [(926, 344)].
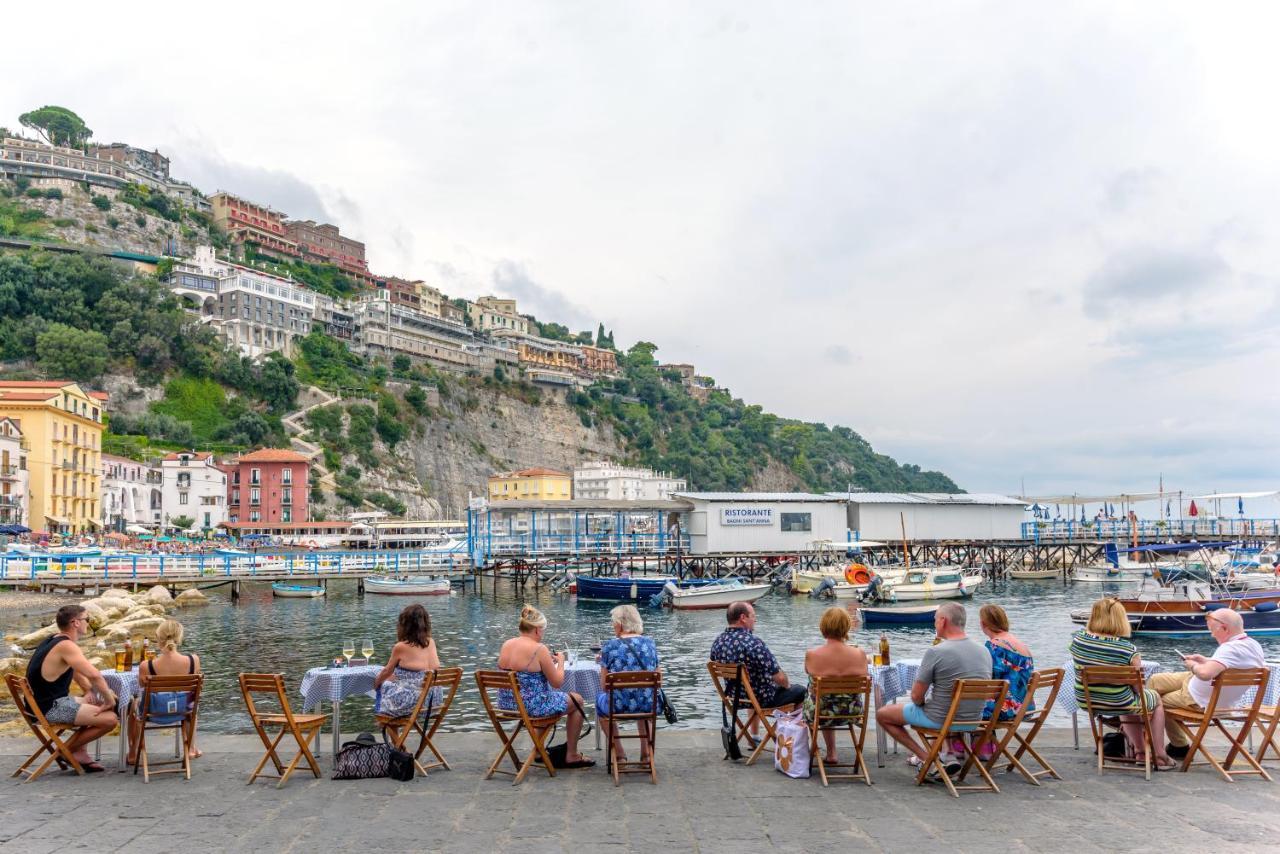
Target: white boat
[(296, 591), (720, 594), (1029, 574), (1107, 574), (407, 586), (931, 582)]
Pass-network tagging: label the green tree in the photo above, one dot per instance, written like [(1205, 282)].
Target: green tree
[(417, 399), (276, 383), (66, 352), (401, 364), (58, 126), (182, 523)]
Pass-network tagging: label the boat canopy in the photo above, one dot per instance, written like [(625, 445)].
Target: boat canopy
[(1177, 547)]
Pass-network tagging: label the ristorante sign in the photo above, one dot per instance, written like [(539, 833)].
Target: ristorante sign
[(746, 515)]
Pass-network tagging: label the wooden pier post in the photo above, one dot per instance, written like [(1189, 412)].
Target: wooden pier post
[(235, 591), (360, 586)]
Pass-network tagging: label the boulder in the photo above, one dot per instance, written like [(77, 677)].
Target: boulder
[(117, 593), (159, 595), (97, 617), (31, 641), (112, 608), (139, 626), (190, 597), (14, 665)]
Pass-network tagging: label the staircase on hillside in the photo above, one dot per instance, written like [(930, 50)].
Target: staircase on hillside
[(294, 424)]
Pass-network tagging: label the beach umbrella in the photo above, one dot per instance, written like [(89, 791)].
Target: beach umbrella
[(1240, 505), (1168, 509), (1193, 510)]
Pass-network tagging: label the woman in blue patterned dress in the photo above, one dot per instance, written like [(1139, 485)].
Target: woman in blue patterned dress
[(539, 674), (414, 654), (628, 650), (1010, 660)]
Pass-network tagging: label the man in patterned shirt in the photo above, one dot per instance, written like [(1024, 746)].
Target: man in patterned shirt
[(738, 645)]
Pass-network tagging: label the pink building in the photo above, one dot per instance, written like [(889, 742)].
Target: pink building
[(269, 485)]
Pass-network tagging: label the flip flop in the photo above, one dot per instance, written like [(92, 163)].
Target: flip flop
[(581, 763), (92, 767)]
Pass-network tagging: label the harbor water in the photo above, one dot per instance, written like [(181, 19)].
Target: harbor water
[(289, 636)]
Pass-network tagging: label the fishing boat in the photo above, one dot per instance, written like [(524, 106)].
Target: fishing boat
[(622, 588), (296, 591), (856, 576), (1105, 573), (928, 582), (911, 614), (1032, 574), (407, 586), (715, 594)]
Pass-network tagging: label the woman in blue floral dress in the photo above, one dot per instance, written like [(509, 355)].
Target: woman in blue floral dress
[(628, 650), (1010, 660)]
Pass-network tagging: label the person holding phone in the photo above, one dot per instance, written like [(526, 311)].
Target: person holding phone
[(1192, 688)]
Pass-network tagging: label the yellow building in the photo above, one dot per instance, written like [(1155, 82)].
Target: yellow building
[(62, 425), (533, 484)]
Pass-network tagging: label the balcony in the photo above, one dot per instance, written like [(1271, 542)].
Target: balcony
[(9, 472), (68, 465)]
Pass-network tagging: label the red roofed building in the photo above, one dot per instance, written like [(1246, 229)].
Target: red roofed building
[(268, 485)]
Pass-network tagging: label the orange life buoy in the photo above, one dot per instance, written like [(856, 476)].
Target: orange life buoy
[(857, 574)]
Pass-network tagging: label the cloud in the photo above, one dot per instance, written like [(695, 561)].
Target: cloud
[(838, 354), (1135, 277), (1130, 188), (511, 279), (203, 166)]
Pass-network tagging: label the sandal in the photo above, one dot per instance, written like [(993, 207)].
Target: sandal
[(92, 767), (584, 762)]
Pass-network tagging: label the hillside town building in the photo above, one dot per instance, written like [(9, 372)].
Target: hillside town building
[(540, 484), (325, 244), (493, 313), (108, 168), (268, 485), (191, 485), (126, 493), (604, 479), (247, 222), (13, 473)]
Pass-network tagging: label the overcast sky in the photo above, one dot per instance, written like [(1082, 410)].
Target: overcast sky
[(1009, 241)]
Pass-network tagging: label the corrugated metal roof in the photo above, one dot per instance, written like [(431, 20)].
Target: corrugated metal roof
[(588, 505), (760, 496), (944, 498)]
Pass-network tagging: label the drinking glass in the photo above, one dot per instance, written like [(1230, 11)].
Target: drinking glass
[(120, 659), (348, 649), (878, 660), (366, 649)]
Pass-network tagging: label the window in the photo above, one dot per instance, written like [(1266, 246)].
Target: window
[(184, 480), (182, 497), (287, 476), (255, 516), (287, 496), (235, 496), (286, 515), (255, 497), (255, 476), (797, 521)]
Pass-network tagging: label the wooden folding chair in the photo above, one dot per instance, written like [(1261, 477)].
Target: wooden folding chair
[(856, 724), (176, 714), (649, 681), (537, 728), (1268, 718), (977, 693), (1034, 712), (49, 735), (1129, 677), (723, 676), (425, 719), (1212, 716), (303, 728)]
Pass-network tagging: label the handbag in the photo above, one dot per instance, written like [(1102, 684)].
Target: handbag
[(362, 759), (792, 736), (728, 728), (668, 710), (169, 707)]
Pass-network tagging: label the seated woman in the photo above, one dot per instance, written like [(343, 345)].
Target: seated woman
[(1010, 660), (628, 650), (413, 655), (1104, 642), (539, 673), (169, 662), (834, 658)]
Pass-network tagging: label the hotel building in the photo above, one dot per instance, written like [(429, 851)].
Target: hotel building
[(268, 485), (539, 484), (191, 485), (13, 474)]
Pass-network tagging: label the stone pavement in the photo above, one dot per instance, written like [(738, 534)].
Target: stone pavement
[(701, 804)]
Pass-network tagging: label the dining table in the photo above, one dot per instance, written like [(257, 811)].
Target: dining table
[(332, 685), (125, 685)]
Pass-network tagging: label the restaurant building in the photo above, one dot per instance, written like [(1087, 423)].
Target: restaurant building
[(268, 486), (934, 515), (763, 522)]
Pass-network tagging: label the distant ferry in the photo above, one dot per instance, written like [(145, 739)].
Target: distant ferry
[(406, 534)]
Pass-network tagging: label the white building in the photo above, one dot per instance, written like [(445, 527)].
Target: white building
[(934, 515), (607, 479), (193, 486), (769, 522), (493, 313), (14, 501), (126, 493)]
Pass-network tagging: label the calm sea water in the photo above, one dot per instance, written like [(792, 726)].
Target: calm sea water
[(261, 633)]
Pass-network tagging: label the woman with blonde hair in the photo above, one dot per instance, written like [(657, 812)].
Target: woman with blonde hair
[(836, 657), (168, 662), (1104, 642), (628, 650), (539, 674)]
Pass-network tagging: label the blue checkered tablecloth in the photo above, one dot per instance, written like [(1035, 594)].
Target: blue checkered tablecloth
[(332, 684), (583, 677), (125, 685), (895, 680)]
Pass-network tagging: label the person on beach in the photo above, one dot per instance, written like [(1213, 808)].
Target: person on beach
[(414, 654), (1104, 642), (628, 650), (539, 673), (954, 658), (738, 644), (1010, 660), (1193, 688), (55, 662), (169, 662), (835, 658)]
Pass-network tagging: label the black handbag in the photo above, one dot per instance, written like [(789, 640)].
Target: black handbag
[(729, 728), (399, 764), (362, 759), (668, 710)]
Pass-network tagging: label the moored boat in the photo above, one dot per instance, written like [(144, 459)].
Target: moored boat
[(621, 589), (716, 594), (296, 591), (929, 582), (407, 586), (1031, 574), (1105, 573), (911, 614)]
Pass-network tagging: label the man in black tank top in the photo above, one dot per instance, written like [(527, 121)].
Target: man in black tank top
[(54, 664)]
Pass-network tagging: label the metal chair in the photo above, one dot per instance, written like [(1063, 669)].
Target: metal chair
[(856, 724)]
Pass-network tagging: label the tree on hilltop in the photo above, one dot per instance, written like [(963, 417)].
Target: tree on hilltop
[(58, 126)]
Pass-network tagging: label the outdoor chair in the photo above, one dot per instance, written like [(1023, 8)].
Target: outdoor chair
[(1268, 718), (725, 677), (1034, 712), (49, 735), (856, 724), (425, 719), (650, 682), (168, 702), (975, 692), (304, 728), (1127, 677), (1197, 725), (496, 680)]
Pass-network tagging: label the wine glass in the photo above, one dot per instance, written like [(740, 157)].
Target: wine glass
[(366, 649), (348, 649)]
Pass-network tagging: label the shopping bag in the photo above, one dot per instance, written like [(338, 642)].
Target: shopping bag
[(792, 734)]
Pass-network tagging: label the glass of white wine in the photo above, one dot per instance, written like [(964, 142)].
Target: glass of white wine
[(348, 650), (366, 649)]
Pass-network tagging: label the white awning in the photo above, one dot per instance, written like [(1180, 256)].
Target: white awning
[(1217, 495)]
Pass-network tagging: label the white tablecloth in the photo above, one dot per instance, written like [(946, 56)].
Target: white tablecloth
[(332, 684)]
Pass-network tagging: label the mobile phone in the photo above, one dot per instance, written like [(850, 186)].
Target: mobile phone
[(1179, 653)]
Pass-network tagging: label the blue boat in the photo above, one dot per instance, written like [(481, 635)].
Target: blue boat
[(621, 589), (918, 615)]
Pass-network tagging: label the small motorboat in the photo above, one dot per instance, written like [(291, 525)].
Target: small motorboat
[(911, 614), (296, 591), (929, 582), (407, 586), (1032, 574), (621, 589), (717, 594), (1107, 574)]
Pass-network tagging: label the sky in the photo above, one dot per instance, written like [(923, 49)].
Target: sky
[(1021, 243)]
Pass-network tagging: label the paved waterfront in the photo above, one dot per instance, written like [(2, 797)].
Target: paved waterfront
[(701, 803)]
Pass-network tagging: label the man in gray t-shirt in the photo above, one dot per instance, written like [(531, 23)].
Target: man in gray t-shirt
[(956, 657)]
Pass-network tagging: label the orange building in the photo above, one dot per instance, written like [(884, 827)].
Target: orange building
[(246, 222)]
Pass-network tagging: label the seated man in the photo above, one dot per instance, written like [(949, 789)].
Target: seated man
[(1193, 688), (955, 658), (55, 662), (738, 645)]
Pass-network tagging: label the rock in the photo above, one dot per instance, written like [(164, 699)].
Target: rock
[(190, 597), (97, 617), (159, 595), (117, 593), (13, 665), (112, 608), (139, 626), (33, 640)]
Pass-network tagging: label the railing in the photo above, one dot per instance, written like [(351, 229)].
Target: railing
[(541, 543), (1149, 529), (8, 471)]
